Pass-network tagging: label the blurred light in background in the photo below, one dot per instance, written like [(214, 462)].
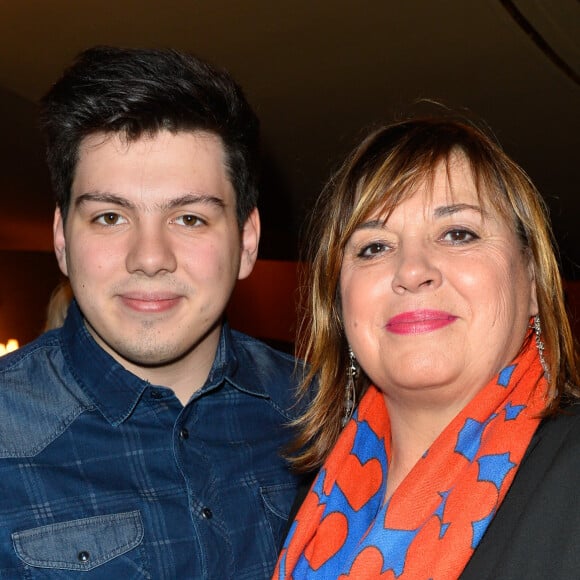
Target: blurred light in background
[(11, 345)]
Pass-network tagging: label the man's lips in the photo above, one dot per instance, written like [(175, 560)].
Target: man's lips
[(419, 321), (150, 302)]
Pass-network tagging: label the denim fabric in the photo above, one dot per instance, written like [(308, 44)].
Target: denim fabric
[(103, 475)]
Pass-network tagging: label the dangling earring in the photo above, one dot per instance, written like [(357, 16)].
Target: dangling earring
[(540, 345), (350, 393)]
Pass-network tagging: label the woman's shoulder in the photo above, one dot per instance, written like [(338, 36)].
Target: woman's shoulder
[(565, 422), (535, 531), (557, 440)]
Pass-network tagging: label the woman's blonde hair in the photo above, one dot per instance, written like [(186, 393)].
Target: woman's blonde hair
[(58, 304), (379, 174)]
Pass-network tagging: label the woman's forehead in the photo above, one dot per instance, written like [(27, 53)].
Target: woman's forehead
[(449, 182)]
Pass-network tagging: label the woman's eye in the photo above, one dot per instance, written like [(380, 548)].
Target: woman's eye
[(459, 236), (110, 219), (371, 250), (189, 220)]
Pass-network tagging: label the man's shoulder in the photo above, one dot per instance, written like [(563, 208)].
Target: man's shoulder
[(27, 359), (278, 372), (39, 397), (244, 343)]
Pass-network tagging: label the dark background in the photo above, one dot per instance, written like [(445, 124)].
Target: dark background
[(318, 73)]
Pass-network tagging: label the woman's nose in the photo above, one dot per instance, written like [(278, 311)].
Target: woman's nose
[(415, 269)]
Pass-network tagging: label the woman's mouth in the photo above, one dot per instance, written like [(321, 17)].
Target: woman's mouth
[(419, 321)]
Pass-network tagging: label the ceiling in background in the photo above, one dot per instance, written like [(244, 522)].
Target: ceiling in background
[(318, 74)]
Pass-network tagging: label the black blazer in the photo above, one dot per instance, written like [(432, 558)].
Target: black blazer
[(535, 534)]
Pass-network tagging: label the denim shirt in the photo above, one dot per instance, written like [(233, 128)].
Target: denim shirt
[(105, 476)]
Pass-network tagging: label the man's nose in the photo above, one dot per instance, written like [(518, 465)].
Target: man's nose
[(151, 251)]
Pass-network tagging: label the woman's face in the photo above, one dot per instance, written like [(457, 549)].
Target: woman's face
[(439, 297)]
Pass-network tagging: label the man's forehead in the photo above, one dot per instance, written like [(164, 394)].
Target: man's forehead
[(186, 165), (123, 140)]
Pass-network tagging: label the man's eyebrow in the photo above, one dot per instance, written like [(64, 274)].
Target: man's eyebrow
[(101, 197), (182, 200), (194, 198)]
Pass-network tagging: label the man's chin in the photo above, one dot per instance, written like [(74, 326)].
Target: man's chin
[(152, 359)]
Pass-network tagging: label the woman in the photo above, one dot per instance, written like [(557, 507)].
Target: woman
[(435, 301)]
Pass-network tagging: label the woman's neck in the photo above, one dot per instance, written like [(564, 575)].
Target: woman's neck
[(413, 430)]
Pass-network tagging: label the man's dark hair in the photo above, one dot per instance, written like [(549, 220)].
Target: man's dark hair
[(140, 92)]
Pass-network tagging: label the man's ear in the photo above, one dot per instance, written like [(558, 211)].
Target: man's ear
[(59, 241), (250, 242)]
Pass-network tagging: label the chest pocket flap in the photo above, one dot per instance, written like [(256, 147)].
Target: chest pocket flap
[(79, 544)]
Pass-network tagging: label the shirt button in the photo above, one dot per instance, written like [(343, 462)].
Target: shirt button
[(156, 395), (206, 513), (83, 556), (184, 433)]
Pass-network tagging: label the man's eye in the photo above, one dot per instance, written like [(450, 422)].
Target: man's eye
[(371, 250), (189, 220), (110, 219), (458, 236)]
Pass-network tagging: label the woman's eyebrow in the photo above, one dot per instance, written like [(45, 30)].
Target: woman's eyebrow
[(439, 212), (371, 225), (446, 210)]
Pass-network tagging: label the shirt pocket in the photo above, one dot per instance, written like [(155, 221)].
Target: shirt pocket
[(105, 545), (277, 500)]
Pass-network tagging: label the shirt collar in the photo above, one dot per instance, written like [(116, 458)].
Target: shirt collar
[(233, 365), (115, 391)]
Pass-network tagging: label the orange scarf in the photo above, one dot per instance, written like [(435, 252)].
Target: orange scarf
[(438, 514)]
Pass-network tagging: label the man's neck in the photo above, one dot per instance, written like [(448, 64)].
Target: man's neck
[(183, 384), (184, 376)]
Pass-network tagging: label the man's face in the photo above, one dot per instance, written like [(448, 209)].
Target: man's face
[(152, 246)]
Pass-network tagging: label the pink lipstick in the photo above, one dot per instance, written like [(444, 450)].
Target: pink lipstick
[(419, 321)]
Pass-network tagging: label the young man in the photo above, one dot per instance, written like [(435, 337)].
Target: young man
[(143, 439)]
